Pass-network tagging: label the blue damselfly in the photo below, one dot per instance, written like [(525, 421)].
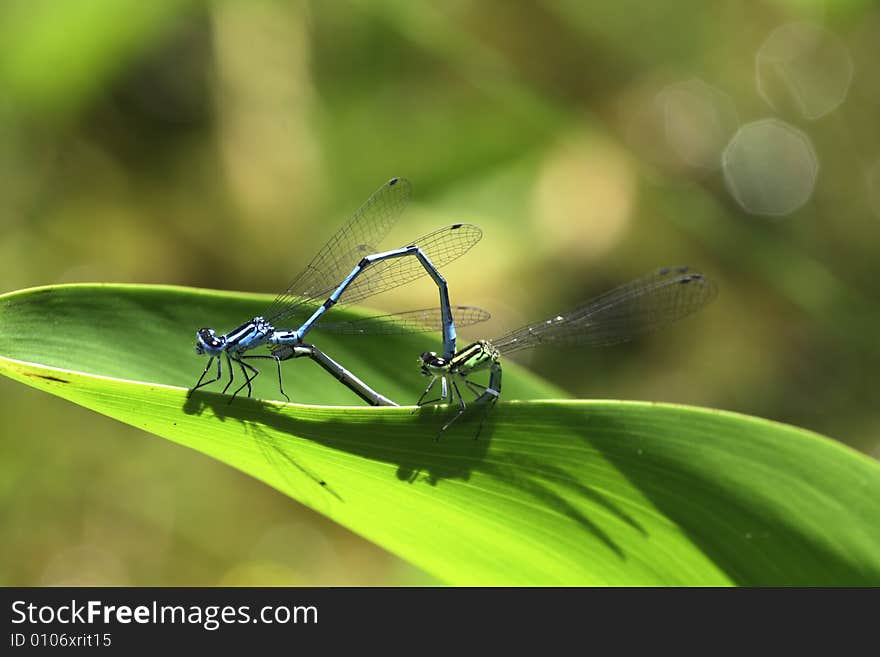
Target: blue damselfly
[(348, 263)]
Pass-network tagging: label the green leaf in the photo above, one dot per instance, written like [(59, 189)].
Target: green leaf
[(553, 492)]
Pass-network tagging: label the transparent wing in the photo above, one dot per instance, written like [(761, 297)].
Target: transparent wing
[(442, 247), (367, 227), (413, 321), (646, 304)]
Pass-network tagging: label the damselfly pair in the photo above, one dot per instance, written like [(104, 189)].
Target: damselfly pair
[(349, 265)]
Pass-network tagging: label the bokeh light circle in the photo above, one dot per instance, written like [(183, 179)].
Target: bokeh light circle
[(770, 167), (802, 67)]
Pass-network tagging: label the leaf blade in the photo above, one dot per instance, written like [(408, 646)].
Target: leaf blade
[(554, 492)]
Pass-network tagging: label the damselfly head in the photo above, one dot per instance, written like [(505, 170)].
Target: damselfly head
[(207, 342), (432, 363)]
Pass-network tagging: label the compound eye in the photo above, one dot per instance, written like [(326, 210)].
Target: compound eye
[(430, 358), (208, 337), (433, 360)]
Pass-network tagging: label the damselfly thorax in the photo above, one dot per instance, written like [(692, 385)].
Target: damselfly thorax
[(251, 334), (476, 357)]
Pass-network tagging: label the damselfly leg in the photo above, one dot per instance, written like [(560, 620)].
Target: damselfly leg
[(231, 373), (199, 383), (444, 392), (479, 391), (461, 409), (448, 390), (490, 406), (476, 388), (245, 368), (246, 383), (277, 363)]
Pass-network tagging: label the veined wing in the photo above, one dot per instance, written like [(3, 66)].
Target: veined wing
[(442, 247), (367, 227), (646, 304), (412, 321)]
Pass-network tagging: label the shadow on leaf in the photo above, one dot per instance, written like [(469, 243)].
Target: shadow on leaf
[(417, 456)]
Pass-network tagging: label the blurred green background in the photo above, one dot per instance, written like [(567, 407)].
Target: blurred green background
[(220, 144)]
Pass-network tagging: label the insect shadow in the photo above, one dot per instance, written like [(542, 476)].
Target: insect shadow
[(279, 455), (409, 445), (418, 458)]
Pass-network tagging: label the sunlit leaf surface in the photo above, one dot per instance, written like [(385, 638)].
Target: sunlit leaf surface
[(553, 492)]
